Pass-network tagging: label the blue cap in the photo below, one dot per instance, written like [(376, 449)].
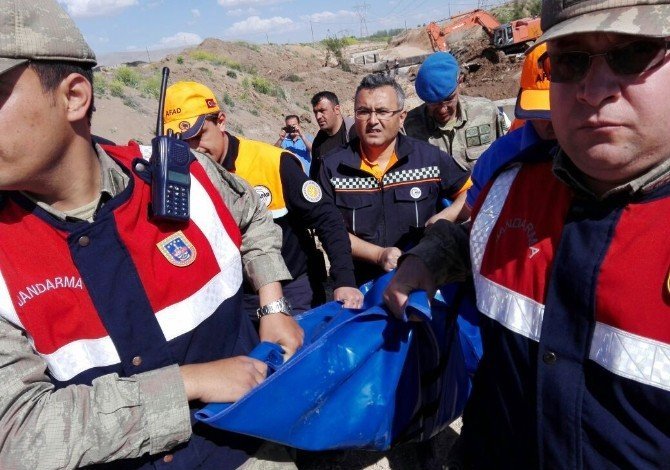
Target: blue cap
[(437, 77)]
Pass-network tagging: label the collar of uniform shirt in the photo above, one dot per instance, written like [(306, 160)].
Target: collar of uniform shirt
[(566, 171), (112, 181), (374, 168)]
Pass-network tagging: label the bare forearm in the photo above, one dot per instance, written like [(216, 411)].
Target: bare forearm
[(269, 293), (458, 211), (363, 250), (384, 257)]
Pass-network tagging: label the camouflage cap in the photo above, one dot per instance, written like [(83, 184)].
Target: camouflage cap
[(39, 30), (639, 17)]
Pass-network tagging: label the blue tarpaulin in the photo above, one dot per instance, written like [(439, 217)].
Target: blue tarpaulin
[(363, 379)]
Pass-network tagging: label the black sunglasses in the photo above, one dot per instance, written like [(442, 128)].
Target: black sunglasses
[(629, 59)]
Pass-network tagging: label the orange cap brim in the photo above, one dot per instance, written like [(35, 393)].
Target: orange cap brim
[(532, 104)]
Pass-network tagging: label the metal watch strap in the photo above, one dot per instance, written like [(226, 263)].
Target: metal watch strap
[(281, 305)]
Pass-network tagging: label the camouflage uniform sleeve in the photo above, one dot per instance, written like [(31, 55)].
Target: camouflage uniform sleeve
[(261, 237), (114, 418)]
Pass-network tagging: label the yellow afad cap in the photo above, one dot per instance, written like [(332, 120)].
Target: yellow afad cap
[(187, 104), (533, 99)]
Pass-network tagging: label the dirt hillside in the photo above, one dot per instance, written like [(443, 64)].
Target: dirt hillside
[(259, 84)]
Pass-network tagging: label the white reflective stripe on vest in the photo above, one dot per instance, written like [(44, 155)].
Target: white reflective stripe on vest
[(635, 357), (78, 356), (277, 213), (81, 355), (186, 315), (516, 312), (625, 354)]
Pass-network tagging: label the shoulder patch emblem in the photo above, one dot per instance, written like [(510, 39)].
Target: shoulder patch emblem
[(478, 135), (177, 249), (311, 191), (264, 194)]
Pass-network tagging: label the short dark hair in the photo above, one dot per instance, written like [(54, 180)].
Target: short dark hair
[(292, 116), (325, 95), (51, 74), (375, 80)]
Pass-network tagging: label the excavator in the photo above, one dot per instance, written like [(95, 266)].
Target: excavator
[(512, 37)]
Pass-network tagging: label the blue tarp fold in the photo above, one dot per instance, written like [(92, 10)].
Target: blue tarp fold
[(363, 379)]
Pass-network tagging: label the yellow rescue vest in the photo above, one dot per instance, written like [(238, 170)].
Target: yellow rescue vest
[(258, 163)]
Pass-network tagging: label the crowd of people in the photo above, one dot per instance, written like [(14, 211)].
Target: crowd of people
[(117, 324)]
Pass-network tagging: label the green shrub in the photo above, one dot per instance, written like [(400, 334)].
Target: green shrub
[(131, 102), (180, 60), (254, 111), (203, 55), (151, 87), (100, 84), (117, 88), (127, 76), (246, 83), (250, 69), (228, 100), (349, 41), (266, 87), (216, 60), (231, 74), (206, 71), (262, 85), (294, 78), (253, 47), (335, 47)]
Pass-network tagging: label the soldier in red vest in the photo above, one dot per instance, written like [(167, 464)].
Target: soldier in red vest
[(114, 325), (570, 258)]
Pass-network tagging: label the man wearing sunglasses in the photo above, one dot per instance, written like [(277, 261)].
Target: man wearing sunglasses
[(386, 185), (462, 126), (571, 260)]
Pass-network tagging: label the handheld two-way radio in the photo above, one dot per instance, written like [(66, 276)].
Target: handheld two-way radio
[(169, 164)]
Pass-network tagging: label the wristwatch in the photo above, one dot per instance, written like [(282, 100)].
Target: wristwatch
[(281, 305)]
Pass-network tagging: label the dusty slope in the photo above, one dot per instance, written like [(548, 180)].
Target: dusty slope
[(259, 84)]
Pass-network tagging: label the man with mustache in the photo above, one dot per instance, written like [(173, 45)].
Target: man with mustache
[(386, 185), (335, 130)]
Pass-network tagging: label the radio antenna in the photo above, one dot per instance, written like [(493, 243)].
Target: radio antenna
[(161, 102)]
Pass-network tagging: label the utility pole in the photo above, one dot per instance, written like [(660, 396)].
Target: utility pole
[(267, 38), (312, 28), (362, 11)]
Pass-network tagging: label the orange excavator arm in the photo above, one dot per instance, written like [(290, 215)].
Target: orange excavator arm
[(460, 23)]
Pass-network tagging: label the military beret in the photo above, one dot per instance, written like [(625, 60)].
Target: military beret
[(437, 77)]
